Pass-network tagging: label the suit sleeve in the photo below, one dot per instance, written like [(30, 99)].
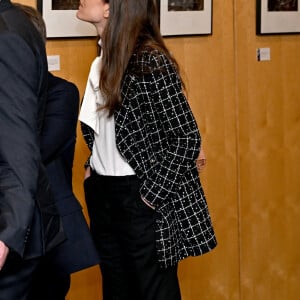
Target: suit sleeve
[(19, 139), (60, 118)]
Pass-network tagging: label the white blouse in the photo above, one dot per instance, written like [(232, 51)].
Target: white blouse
[(105, 158)]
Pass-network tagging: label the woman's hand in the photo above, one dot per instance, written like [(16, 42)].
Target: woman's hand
[(87, 172), (145, 201), (201, 161)]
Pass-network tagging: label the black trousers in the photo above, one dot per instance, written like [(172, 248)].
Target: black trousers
[(122, 226), (16, 277), (31, 279), (48, 283)]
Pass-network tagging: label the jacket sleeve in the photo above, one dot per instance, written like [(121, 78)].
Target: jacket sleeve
[(19, 139), (179, 129)]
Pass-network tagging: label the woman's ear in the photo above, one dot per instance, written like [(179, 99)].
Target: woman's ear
[(106, 10)]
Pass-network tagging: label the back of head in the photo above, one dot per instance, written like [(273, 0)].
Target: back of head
[(35, 17)]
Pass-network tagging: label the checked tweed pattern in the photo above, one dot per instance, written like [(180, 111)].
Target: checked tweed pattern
[(158, 136)]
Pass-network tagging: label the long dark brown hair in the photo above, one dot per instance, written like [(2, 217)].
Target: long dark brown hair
[(130, 23)]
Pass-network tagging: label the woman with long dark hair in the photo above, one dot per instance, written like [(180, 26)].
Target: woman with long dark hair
[(145, 201)]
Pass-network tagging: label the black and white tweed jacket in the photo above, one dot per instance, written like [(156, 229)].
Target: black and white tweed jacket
[(158, 136)]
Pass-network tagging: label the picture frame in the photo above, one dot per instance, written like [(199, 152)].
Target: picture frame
[(61, 20), (277, 16), (189, 17)]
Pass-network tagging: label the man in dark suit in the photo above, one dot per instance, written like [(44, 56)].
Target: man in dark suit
[(29, 222), (52, 278)]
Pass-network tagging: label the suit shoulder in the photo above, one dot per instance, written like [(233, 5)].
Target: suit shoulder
[(61, 83), (61, 88)]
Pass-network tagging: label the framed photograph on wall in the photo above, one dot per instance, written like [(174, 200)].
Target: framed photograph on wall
[(277, 16), (61, 21), (185, 17)]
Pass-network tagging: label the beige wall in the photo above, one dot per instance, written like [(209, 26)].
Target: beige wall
[(249, 116)]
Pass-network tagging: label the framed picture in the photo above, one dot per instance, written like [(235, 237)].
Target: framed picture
[(277, 16), (61, 21), (185, 17)]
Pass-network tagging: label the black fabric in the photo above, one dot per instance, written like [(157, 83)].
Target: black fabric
[(16, 278), (49, 285), (58, 146), (122, 226), (29, 221), (77, 252)]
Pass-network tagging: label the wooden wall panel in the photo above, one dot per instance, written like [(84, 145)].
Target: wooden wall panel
[(207, 63), (269, 159), (249, 116), (26, 2)]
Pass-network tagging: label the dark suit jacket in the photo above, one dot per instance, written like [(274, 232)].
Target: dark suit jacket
[(29, 221), (58, 146)]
